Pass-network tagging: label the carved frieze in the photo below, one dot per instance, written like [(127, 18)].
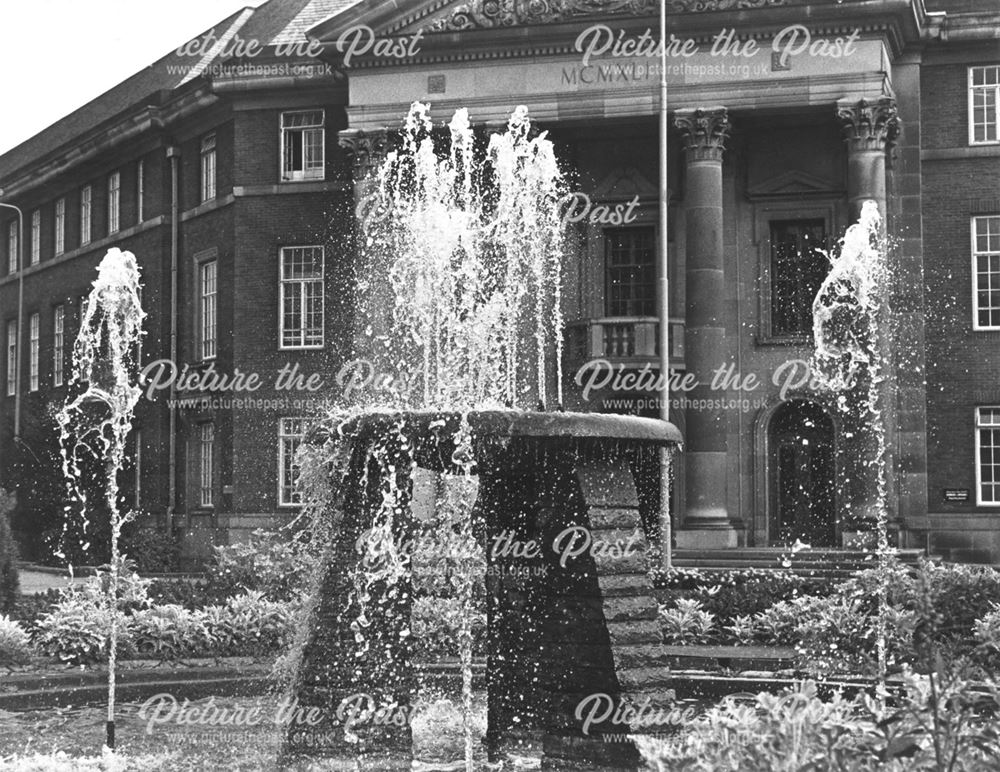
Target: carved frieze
[(488, 14)]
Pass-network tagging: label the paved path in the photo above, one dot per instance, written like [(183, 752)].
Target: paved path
[(33, 581)]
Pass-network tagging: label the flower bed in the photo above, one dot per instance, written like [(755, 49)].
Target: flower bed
[(953, 610)]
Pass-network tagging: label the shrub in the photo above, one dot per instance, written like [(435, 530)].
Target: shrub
[(76, 628), (248, 624), (730, 594), (76, 631), (934, 725), (169, 632), (687, 623), (15, 645), (8, 555), (274, 566), (29, 608), (153, 550)]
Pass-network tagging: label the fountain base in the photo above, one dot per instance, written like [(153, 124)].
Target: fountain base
[(573, 638)]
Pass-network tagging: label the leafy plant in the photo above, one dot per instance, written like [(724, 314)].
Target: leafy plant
[(248, 624), (742, 629), (275, 566), (75, 631), (15, 645), (169, 632), (729, 594), (153, 550), (687, 623)]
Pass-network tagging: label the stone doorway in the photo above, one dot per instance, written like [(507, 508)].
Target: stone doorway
[(802, 475)]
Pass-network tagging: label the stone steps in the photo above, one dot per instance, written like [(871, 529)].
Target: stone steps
[(825, 563)]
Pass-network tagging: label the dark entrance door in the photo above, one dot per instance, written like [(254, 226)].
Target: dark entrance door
[(802, 472)]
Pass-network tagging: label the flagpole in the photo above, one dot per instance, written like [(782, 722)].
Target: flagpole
[(665, 524)]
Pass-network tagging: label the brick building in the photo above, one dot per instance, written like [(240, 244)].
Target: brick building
[(227, 168)]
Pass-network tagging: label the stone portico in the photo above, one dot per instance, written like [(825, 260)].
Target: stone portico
[(765, 144)]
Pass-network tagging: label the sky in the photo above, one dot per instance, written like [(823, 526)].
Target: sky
[(57, 55)]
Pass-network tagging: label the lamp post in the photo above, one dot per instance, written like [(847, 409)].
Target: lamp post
[(20, 310), (665, 460)]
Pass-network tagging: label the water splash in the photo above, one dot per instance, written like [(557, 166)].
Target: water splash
[(850, 332), (473, 251), (94, 425)]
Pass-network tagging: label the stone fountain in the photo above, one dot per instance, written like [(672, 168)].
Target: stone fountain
[(574, 649)]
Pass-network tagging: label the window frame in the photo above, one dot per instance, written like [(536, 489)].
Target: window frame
[(206, 465), (295, 439), (86, 214), (114, 202), (35, 256), (58, 344), (653, 267), (12, 357), (34, 345), (283, 283), (981, 426), (140, 191), (59, 227), (208, 168), (203, 310), (827, 208), (971, 92), (13, 248), (976, 255), (314, 173)]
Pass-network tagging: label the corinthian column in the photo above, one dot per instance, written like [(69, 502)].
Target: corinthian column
[(365, 152), (870, 127), (706, 521)]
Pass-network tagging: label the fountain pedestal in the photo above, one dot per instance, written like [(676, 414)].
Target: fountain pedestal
[(573, 636)]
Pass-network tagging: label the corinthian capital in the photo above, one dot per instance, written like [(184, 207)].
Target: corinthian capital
[(704, 132), (365, 149), (869, 125)]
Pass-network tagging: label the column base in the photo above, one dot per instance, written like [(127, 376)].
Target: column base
[(715, 537)]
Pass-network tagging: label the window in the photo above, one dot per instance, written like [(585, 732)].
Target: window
[(630, 259), (86, 201), (34, 323), (798, 267), (207, 284), (208, 168), (291, 432), (301, 297), (140, 190), (60, 226), (984, 98), (36, 237), (302, 145), (986, 273), (206, 497), (114, 201), (12, 248), (988, 456), (58, 344), (11, 358)]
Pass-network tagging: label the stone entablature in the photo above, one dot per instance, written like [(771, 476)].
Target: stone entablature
[(489, 14)]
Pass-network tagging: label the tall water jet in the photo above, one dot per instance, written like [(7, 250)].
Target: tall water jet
[(849, 329), (473, 256), (95, 423), (459, 280)]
